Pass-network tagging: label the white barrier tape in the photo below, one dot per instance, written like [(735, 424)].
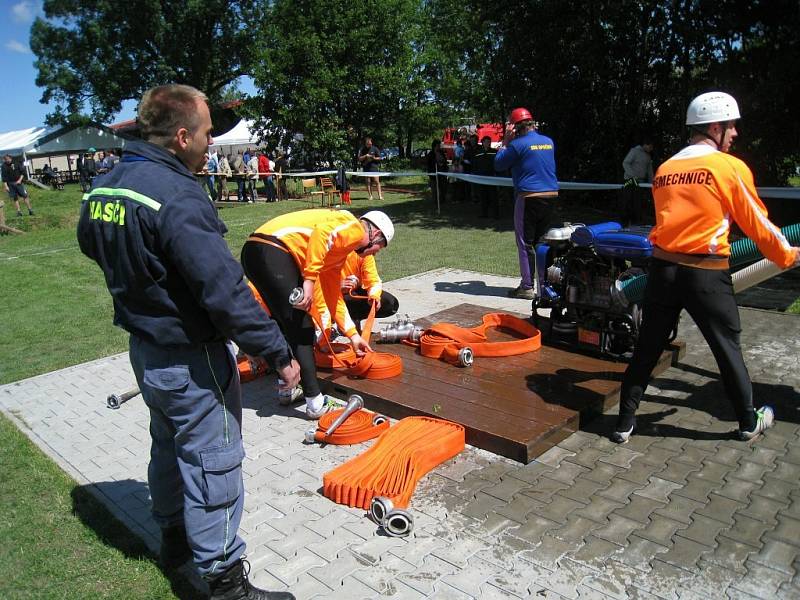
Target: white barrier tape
[(764, 192)]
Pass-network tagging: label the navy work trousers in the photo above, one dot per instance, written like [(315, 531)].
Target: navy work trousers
[(195, 471)]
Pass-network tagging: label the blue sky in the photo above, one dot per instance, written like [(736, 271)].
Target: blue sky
[(19, 104)]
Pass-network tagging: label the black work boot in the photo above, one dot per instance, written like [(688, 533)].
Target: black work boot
[(233, 585), (175, 549)]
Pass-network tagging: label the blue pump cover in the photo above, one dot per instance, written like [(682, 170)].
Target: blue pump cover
[(627, 244), (541, 263), (585, 236)]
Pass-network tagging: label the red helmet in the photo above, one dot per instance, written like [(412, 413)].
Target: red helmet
[(520, 114)]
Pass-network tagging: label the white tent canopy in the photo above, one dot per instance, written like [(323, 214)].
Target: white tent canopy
[(241, 135), (40, 141)]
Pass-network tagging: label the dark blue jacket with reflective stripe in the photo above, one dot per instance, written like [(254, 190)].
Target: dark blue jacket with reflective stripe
[(157, 238)]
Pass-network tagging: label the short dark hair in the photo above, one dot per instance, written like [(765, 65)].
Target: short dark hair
[(165, 109)]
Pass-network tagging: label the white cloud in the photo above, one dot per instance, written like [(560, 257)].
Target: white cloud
[(24, 12), (16, 46)]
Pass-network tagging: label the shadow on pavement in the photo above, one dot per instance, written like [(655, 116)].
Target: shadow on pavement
[(473, 288), (113, 533)]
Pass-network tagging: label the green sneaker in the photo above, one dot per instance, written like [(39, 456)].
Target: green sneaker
[(765, 417)]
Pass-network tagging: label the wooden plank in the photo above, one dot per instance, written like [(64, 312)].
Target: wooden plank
[(515, 406)]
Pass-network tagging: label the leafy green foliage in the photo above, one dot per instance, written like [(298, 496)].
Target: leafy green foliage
[(91, 56), (336, 72)]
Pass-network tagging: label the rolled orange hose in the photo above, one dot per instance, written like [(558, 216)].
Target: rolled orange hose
[(357, 428)]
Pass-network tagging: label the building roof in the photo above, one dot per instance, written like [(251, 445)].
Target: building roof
[(61, 139)]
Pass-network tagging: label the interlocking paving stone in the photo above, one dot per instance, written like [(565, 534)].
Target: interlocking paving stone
[(545, 489), (305, 587), (620, 490), (587, 457), (603, 473), (519, 578), (598, 509), (548, 553), (640, 472), (663, 579), (519, 508), (482, 505), (746, 530), (582, 490), (661, 530), (530, 473), (618, 529), (460, 549), (507, 488), (335, 544), (558, 509), (534, 527), (787, 530), (442, 591), (775, 489), (577, 442), (621, 457), (301, 562), (424, 577), (470, 579), (567, 578), (737, 489), (697, 489), (763, 509), (658, 456), (712, 581), (382, 575), (639, 509), (750, 471), (684, 552), (658, 489), (763, 456), (567, 472), (720, 508), (554, 456), (575, 530), (638, 553), (692, 455), (761, 581), (595, 552), (333, 573), (777, 554), (417, 548), (703, 530)]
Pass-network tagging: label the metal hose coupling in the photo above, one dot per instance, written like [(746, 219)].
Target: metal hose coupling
[(354, 403), (296, 296), (310, 435), (395, 522), (398, 523), (401, 329), (465, 357), (379, 508)]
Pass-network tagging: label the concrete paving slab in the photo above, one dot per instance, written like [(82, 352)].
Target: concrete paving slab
[(684, 510)]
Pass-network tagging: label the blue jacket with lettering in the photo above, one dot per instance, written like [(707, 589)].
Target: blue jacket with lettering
[(158, 240), (532, 160)]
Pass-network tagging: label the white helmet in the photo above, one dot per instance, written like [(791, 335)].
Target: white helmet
[(382, 221), (712, 107)]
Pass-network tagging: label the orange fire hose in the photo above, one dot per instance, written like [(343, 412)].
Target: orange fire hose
[(359, 427), (394, 464), (372, 365), (444, 340)]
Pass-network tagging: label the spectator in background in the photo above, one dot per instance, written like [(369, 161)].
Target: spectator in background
[(637, 167), (483, 164), (87, 170), (252, 169), (239, 168), (281, 165), (471, 147), (111, 160), (265, 172), (208, 180), (224, 168), (436, 163), (13, 175), (101, 163), (247, 155), (369, 157), (343, 185)]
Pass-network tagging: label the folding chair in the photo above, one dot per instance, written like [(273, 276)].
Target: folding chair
[(309, 189), (328, 190)]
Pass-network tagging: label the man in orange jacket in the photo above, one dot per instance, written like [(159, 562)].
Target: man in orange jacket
[(697, 193), (361, 287), (307, 249)]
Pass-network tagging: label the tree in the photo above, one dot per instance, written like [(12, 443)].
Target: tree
[(91, 56), (336, 71)]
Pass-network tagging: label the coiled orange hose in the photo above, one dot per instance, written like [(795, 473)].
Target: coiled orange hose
[(358, 427), (395, 463)]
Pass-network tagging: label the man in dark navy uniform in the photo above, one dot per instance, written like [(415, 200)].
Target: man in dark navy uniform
[(180, 294)]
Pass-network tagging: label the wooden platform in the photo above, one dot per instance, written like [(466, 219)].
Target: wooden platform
[(517, 406)]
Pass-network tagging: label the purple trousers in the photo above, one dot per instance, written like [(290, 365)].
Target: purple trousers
[(531, 221)]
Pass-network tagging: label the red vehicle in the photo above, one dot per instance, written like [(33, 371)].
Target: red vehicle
[(462, 132)]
